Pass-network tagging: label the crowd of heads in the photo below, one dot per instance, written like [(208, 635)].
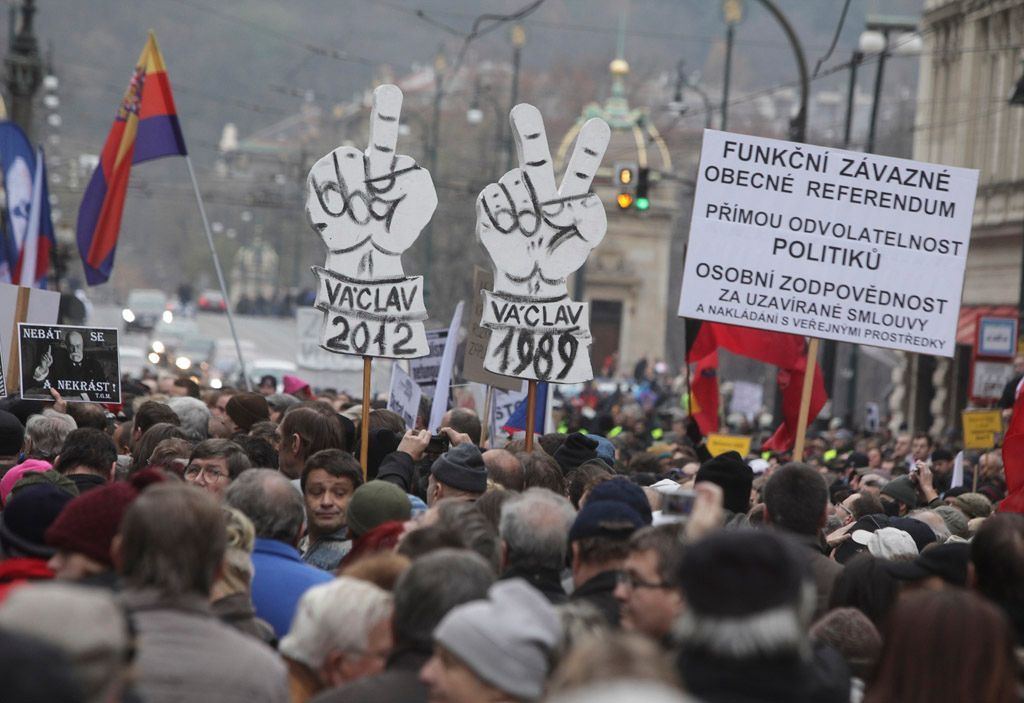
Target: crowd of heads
[(234, 545)]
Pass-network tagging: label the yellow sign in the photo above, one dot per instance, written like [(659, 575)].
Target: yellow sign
[(721, 443), (981, 427)]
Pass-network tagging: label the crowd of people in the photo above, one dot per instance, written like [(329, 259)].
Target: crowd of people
[(228, 545)]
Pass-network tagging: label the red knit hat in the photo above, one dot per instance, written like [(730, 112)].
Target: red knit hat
[(88, 523)]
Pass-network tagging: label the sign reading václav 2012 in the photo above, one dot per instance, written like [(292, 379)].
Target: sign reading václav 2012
[(828, 243)]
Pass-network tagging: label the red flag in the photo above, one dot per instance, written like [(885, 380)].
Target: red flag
[(786, 351), (704, 393), (1013, 460), (791, 383)]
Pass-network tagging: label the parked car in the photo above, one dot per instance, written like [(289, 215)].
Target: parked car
[(132, 361), (168, 336), (193, 353), (271, 367), (144, 309)]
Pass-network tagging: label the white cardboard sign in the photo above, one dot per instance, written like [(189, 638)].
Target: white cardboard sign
[(537, 234), (404, 396), (369, 207), (828, 243)]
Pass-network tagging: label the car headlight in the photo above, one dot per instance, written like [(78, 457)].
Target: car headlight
[(168, 316), (183, 363), (127, 315), (158, 346), (216, 384), (154, 358)]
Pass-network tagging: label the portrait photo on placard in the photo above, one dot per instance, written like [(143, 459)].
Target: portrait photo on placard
[(80, 363)]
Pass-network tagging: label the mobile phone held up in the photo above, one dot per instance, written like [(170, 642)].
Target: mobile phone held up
[(680, 503)]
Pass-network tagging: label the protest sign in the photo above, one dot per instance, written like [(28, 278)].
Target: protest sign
[(477, 338), (404, 396), (988, 378), (425, 369), (309, 354), (439, 404), (537, 234), (80, 363), (22, 304), (369, 207), (721, 443), (828, 243), (747, 399), (981, 427)]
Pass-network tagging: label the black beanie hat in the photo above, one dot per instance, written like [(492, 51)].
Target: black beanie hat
[(28, 514), (575, 450), (735, 573), (732, 474), (12, 434), (462, 468)]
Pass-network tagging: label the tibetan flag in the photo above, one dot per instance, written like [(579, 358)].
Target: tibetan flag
[(145, 127)]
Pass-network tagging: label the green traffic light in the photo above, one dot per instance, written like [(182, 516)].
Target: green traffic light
[(642, 203)]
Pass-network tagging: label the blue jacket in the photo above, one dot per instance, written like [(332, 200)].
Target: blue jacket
[(280, 580)]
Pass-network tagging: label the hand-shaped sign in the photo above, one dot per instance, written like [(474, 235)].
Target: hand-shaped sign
[(537, 234), (369, 207)]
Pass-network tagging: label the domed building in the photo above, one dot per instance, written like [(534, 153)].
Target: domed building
[(626, 278)]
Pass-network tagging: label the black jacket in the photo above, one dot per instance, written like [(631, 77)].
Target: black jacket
[(599, 591), (547, 581)]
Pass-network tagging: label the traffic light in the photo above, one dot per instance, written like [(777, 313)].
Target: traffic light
[(625, 179), (642, 201)]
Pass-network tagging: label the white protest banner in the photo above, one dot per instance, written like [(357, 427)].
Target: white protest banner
[(425, 369), (439, 405), (747, 399), (369, 207), (478, 336), (538, 233), (404, 396), (828, 243), (43, 308)]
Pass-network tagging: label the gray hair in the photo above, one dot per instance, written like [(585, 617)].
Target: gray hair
[(337, 615), (47, 433), (433, 585), (85, 623), (934, 521), (193, 416), (268, 499), (535, 527)]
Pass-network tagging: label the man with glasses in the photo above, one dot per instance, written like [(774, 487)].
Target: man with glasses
[(214, 464), (649, 592)]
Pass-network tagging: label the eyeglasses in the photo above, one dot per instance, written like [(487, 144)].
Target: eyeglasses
[(840, 506), (634, 581), (212, 474)]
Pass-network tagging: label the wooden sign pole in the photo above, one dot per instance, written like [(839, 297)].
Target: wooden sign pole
[(485, 417), (805, 399), (531, 410), (13, 361), (364, 426)]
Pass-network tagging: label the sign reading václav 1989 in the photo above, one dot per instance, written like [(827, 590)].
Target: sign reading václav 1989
[(828, 243)]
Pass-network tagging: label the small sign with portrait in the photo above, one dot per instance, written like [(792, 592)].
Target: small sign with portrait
[(80, 363)]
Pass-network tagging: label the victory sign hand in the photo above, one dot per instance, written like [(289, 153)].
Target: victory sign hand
[(370, 206), (538, 233)]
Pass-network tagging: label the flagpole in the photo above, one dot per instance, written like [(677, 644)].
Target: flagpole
[(805, 399), (531, 410), (486, 415), (220, 274), (364, 426)]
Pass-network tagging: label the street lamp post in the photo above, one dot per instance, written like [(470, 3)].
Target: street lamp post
[(850, 96), (24, 70), (518, 41), (435, 137), (1017, 100), (875, 40)]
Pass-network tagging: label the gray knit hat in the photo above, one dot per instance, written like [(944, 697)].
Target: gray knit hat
[(462, 468), (505, 640)]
